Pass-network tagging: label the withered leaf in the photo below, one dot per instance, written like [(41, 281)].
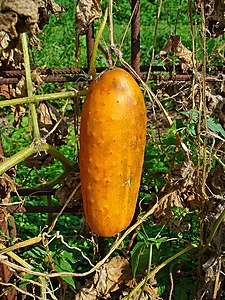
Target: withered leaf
[(7, 184), (86, 12), (18, 114), (180, 51), (48, 117), (22, 16), (111, 275), (8, 21), (7, 91), (87, 293), (39, 159), (214, 15), (69, 185)]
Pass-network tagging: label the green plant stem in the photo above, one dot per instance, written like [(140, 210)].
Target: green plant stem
[(157, 269), (29, 85), (94, 54), (17, 158), (37, 98), (35, 147), (215, 228), (55, 181), (219, 160), (56, 154), (148, 270)]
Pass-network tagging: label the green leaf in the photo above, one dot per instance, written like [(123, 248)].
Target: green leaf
[(178, 124), (135, 256), (158, 241), (215, 126), (193, 115), (63, 265)]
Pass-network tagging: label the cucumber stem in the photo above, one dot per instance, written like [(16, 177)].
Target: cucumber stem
[(94, 54)]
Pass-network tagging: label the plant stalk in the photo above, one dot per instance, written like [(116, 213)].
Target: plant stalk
[(215, 228), (35, 147), (94, 54), (17, 158), (56, 154), (29, 85), (157, 269), (37, 98)]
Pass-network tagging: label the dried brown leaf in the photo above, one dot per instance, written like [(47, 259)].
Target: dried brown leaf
[(38, 160), (111, 275), (22, 16), (86, 12), (18, 115), (7, 91), (164, 210), (10, 51), (48, 118), (8, 21), (87, 293), (214, 15), (70, 183), (185, 56), (7, 184)]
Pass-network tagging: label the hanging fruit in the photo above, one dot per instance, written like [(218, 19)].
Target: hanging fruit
[(112, 144)]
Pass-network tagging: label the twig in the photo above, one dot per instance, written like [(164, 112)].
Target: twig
[(216, 287), (64, 206), (49, 292), (19, 245), (154, 40), (100, 263), (22, 291), (59, 236), (203, 100), (148, 271), (215, 228), (111, 23), (172, 283), (128, 25)]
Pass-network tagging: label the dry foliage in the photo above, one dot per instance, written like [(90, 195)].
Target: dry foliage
[(185, 56), (52, 127), (114, 281), (22, 16), (86, 12), (70, 183), (214, 14)]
